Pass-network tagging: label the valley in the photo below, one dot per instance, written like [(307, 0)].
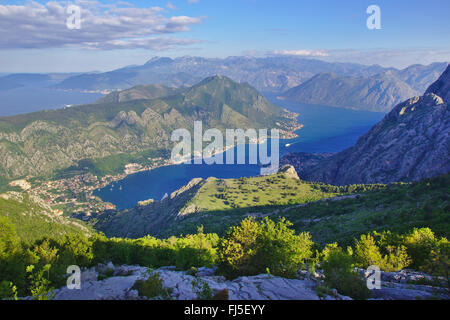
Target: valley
[(95, 183), (224, 154)]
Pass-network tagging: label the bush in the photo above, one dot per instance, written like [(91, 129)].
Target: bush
[(152, 287), (420, 243), (8, 290), (368, 253), (338, 268), (196, 250), (439, 264), (254, 247)]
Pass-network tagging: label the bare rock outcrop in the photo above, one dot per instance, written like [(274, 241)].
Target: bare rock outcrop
[(411, 143)]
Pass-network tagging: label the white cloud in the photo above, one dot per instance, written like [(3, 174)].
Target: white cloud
[(171, 6), (103, 26), (303, 53)]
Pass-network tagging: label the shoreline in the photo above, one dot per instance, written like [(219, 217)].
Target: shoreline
[(81, 187), (289, 135)]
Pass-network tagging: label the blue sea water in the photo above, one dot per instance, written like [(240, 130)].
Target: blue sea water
[(326, 129), (34, 98)]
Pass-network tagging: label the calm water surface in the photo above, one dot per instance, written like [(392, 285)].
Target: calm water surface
[(326, 129)]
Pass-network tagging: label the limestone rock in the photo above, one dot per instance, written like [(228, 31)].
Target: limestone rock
[(411, 143)]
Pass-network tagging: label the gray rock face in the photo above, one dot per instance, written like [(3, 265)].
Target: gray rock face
[(188, 287), (441, 87), (409, 144), (400, 286), (394, 285)]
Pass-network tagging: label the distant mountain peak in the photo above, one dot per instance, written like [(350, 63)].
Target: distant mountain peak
[(215, 79), (441, 87), (158, 61)]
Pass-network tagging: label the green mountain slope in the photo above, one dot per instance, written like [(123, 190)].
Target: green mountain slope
[(42, 142), (215, 199), (150, 91), (329, 213), (396, 208), (33, 219)]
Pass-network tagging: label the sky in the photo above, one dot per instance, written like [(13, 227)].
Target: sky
[(35, 36)]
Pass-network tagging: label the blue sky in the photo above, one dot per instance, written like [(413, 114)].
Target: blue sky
[(412, 32)]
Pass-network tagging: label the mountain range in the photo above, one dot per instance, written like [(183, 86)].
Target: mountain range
[(377, 93), (373, 93), (273, 74), (411, 143), (311, 81), (269, 74), (122, 130)]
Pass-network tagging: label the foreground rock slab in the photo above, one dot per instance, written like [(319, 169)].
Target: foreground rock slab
[(189, 287), (181, 285)]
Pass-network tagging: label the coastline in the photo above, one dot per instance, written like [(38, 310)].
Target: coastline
[(83, 186)]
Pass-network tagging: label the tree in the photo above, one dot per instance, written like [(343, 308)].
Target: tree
[(338, 268), (255, 247)]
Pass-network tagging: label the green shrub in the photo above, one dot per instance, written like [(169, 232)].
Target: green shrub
[(205, 292), (40, 285), (8, 290), (323, 291), (338, 268), (420, 243), (152, 287), (396, 259), (192, 271), (108, 273), (253, 247), (439, 264), (368, 253)]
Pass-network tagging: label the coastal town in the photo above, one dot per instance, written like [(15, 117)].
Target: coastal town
[(74, 196)]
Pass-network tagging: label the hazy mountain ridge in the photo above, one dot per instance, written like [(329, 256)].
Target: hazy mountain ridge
[(274, 74), (377, 93), (409, 144), (418, 76)]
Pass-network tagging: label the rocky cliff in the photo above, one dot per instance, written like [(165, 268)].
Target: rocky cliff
[(409, 144), (441, 87)]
